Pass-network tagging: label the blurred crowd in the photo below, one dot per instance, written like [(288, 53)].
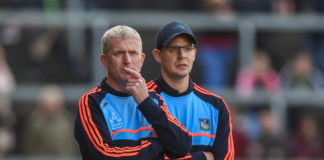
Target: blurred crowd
[(282, 60), (257, 128)]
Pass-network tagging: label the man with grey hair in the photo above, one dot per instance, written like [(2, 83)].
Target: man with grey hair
[(120, 119)]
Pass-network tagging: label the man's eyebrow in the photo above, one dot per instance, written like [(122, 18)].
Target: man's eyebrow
[(134, 51), (124, 51), (119, 51)]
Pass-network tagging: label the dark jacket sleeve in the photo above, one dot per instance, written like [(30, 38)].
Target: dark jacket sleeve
[(223, 147), (92, 134), (173, 136)]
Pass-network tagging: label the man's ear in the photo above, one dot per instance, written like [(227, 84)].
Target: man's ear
[(195, 52), (142, 58), (103, 59), (156, 54)]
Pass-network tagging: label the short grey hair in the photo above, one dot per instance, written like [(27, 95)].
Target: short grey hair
[(120, 31)]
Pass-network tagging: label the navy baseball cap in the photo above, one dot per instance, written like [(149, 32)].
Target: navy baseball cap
[(169, 31)]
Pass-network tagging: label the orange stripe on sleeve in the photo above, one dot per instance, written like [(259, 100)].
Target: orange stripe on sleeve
[(230, 137), (230, 153), (84, 121), (203, 134), (232, 148), (132, 131), (92, 125)]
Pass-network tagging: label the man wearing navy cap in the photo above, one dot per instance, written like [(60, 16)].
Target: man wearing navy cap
[(203, 113)]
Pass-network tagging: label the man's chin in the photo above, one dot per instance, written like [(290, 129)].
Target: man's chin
[(125, 77), (181, 75)]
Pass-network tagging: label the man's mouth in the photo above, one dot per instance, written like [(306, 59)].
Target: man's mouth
[(182, 65)]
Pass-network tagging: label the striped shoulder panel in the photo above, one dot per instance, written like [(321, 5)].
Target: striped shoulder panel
[(204, 91), (230, 153), (94, 135)]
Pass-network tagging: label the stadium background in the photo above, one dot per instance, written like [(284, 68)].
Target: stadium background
[(57, 43)]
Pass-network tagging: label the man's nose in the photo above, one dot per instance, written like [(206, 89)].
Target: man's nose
[(126, 58), (181, 52)]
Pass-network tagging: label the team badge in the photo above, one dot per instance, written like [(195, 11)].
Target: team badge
[(204, 124), (115, 121)]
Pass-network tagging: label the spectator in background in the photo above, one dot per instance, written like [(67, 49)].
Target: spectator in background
[(267, 143), (259, 75), (49, 55), (269, 139), (141, 5), (49, 130), (315, 40), (48, 51), (250, 6), (28, 4), (254, 150), (282, 44), (305, 141), (301, 73), (42, 50), (218, 6), (216, 50), (313, 6), (240, 136), (284, 7), (7, 117), (7, 80), (281, 7), (104, 4)]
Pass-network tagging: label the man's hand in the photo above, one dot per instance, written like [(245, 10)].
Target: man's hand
[(209, 155), (136, 86)]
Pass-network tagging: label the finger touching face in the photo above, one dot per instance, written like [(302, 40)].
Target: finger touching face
[(132, 73)]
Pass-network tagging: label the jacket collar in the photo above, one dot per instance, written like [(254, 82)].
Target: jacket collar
[(169, 90), (107, 88)]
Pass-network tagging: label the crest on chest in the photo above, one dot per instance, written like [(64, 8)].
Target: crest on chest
[(204, 124)]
